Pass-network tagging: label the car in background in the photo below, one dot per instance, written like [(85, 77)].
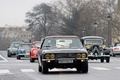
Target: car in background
[(34, 50), (12, 49), (24, 50), (116, 49), (96, 48), (62, 52)]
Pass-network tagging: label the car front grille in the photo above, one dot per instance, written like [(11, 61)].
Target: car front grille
[(65, 55)]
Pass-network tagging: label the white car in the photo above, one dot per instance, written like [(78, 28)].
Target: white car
[(116, 49)]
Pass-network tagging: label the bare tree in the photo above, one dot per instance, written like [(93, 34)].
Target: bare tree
[(41, 20)]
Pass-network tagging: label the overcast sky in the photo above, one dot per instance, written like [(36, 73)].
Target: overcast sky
[(12, 12)]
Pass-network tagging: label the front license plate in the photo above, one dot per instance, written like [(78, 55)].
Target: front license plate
[(65, 61)]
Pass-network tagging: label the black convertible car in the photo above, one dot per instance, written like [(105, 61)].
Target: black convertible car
[(96, 48), (62, 52)]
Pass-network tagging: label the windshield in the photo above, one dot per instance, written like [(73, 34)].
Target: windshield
[(14, 45), (25, 46), (93, 42), (118, 44), (62, 43), (37, 45)]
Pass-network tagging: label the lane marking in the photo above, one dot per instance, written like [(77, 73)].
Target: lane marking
[(2, 72), (3, 58), (117, 67), (100, 68), (27, 70)]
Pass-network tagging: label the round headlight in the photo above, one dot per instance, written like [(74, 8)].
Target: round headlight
[(83, 55), (78, 55), (52, 56), (35, 51), (47, 56), (87, 47), (103, 46)]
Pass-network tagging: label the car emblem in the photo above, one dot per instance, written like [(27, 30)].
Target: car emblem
[(95, 49), (70, 55)]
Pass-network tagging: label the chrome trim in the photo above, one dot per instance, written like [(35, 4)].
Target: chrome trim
[(65, 59)]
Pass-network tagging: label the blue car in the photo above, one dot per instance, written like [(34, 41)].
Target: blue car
[(24, 50), (12, 49)]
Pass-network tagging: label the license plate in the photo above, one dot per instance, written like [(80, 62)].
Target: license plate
[(65, 61)]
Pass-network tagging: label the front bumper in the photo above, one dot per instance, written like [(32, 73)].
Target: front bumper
[(97, 56), (116, 52), (24, 55), (62, 63)]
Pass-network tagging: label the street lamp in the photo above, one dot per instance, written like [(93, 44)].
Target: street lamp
[(109, 16), (95, 27)]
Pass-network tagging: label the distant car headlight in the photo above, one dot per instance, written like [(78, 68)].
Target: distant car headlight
[(35, 51), (87, 47), (52, 56), (103, 46), (84, 55), (78, 55)]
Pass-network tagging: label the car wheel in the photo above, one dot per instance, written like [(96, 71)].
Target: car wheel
[(32, 60), (102, 60), (85, 67), (108, 59), (78, 69), (18, 57), (114, 55), (44, 68), (8, 54)]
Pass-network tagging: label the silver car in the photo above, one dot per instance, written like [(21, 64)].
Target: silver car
[(116, 49)]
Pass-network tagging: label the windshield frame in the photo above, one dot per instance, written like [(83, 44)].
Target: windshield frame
[(43, 45)]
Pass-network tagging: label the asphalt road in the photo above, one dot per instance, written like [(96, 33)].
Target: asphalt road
[(13, 69)]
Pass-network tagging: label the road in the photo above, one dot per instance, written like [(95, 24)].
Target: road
[(13, 69)]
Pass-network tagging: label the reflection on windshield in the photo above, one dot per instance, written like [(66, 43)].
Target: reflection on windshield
[(15, 45), (25, 46), (62, 43), (37, 45), (93, 41)]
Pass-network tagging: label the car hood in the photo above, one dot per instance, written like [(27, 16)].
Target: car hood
[(13, 49), (65, 51)]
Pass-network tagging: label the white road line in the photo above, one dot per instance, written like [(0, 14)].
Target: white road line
[(19, 61), (100, 68), (3, 58), (27, 70), (5, 72), (117, 67)]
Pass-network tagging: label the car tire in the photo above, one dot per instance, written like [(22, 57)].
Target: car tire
[(18, 57), (8, 54), (79, 69), (108, 59), (44, 68), (32, 60), (114, 55), (85, 67), (102, 60)]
